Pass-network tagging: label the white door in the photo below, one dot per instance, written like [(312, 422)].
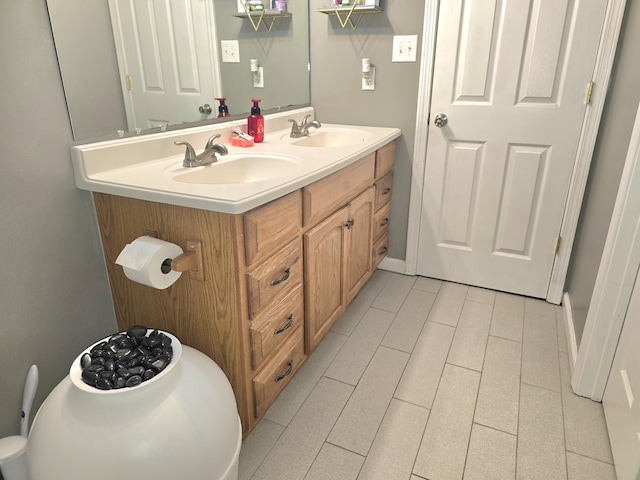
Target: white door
[(167, 58), (621, 411), (511, 77)]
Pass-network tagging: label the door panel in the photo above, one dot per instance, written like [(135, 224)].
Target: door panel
[(511, 77)]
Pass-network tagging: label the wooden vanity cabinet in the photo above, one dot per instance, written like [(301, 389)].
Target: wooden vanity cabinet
[(275, 278)]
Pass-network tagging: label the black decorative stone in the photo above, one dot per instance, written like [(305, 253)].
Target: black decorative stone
[(126, 359)]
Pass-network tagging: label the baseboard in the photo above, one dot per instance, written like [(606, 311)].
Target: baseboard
[(393, 265), (570, 332)]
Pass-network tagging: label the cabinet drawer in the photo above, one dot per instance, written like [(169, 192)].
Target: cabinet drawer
[(275, 326), (380, 249), (384, 186), (385, 157), (381, 220), (268, 227), (276, 276), (278, 372), (330, 193)]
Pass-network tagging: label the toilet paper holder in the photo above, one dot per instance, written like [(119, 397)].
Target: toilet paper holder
[(190, 260)]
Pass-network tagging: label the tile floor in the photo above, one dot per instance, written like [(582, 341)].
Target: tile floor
[(423, 379)]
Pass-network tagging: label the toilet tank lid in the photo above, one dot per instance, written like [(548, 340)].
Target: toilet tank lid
[(12, 447)]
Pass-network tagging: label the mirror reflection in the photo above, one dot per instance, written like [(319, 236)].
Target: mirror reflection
[(139, 64)]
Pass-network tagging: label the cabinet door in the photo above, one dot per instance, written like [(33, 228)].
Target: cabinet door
[(324, 283), (358, 245)]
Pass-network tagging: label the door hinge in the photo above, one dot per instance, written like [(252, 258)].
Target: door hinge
[(129, 82), (587, 97), (556, 246)]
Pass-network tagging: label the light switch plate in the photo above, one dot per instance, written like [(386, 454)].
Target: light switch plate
[(230, 51), (405, 48)]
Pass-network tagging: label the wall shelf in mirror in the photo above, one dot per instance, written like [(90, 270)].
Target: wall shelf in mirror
[(266, 18), (350, 15)]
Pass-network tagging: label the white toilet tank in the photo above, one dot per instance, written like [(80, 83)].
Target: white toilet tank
[(182, 426)]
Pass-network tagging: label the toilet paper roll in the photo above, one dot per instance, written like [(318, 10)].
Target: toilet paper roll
[(142, 261)]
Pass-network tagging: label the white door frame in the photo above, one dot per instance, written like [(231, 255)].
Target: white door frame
[(601, 76), (614, 283)]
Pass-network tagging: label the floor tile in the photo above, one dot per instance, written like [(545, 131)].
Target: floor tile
[(585, 428), (358, 423), (355, 355), (300, 443), (541, 451), (508, 316), (443, 449), (470, 339), (408, 323), (492, 454), (585, 468), (427, 284), (335, 462), (481, 295), (448, 305), (540, 352), (394, 292), (396, 444), (499, 394), (348, 321), (562, 332), (536, 306), (420, 379), (301, 385), (257, 446)]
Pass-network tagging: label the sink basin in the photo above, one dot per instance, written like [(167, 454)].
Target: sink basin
[(237, 168), (333, 138)]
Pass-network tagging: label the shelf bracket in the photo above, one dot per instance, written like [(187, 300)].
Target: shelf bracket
[(348, 16)]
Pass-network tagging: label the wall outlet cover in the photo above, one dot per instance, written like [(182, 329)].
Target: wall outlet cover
[(405, 48), (230, 51)]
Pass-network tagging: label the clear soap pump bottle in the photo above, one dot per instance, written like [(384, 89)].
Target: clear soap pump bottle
[(255, 122)]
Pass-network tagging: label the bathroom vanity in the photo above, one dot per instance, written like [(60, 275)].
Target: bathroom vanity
[(274, 277)]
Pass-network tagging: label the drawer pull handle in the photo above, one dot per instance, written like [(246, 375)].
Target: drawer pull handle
[(287, 373), (382, 251), (289, 323), (386, 191), (384, 222), (350, 224), (281, 279)]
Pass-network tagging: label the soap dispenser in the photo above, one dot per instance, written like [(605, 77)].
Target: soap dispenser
[(255, 122), (223, 110)]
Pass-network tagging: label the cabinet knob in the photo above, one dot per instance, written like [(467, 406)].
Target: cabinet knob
[(350, 224)]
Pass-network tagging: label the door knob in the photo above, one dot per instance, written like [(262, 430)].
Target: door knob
[(205, 109), (440, 120)]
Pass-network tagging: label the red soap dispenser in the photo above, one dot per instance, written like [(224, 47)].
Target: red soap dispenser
[(223, 111), (255, 122)]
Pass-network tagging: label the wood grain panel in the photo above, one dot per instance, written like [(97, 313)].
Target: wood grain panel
[(381, 220), (358, 244), (268, 227), (384, 189), (380, 250), (329, 194), (270, 279), (385, 158)]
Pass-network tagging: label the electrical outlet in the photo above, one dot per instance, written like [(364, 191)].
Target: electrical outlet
[(369, 83), (258, 78), (230, 51), (405, 48)]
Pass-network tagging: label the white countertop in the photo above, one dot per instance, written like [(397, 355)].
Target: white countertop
[(144, 167)]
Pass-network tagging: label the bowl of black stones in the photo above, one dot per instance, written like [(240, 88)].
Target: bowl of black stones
[(125, 361)]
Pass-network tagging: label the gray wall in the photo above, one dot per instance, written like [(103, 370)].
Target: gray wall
[(606, 169), (53, 285), (337, 96)]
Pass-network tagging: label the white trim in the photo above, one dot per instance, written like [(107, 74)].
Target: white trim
[(422, 130), (601, 76), (393, 265), (602, 73), (569, 330), (614, 284)]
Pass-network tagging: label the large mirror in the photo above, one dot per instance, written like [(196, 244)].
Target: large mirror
[(137, 65)]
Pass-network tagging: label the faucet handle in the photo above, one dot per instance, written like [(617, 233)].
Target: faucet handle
[(211, 141), (304, 120), (189, 154)]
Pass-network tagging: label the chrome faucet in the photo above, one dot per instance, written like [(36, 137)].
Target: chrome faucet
[(303, 129), (208, 155)]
